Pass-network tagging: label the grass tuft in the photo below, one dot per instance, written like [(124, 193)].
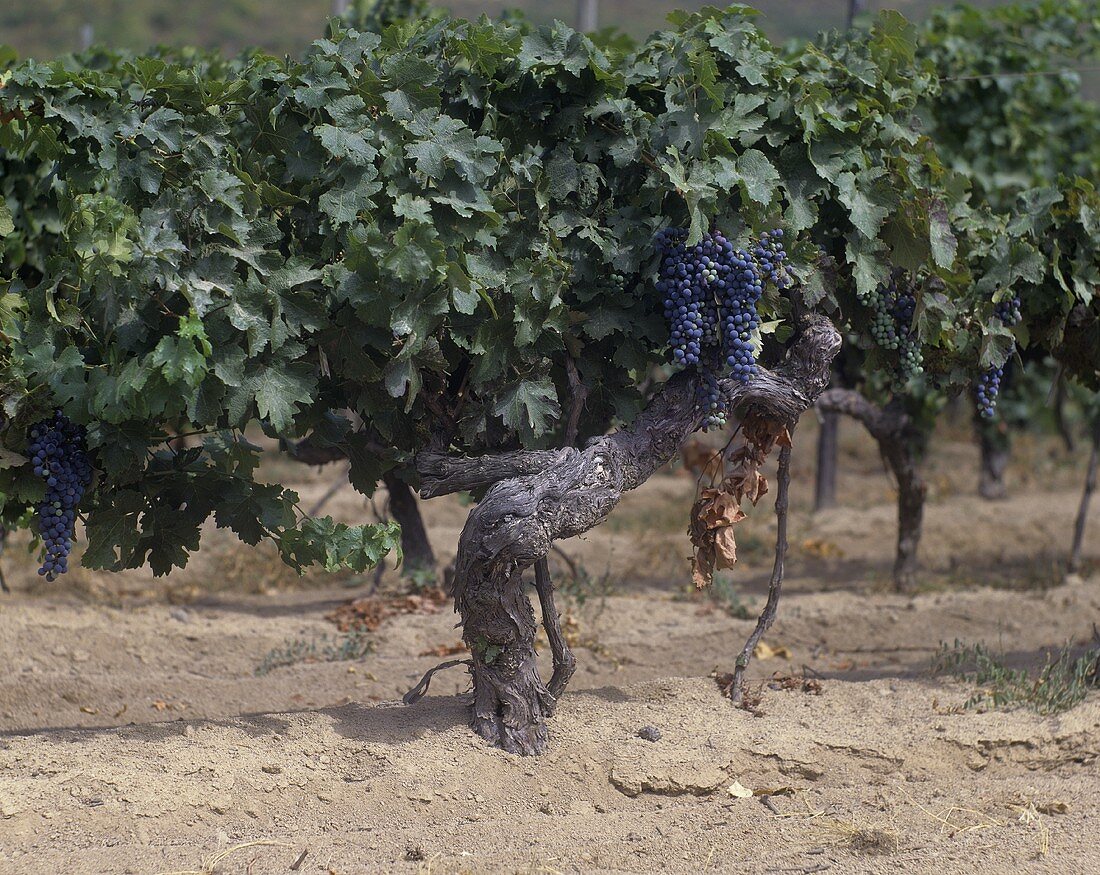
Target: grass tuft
[(351, 645), (725, 594), (1061, 683)]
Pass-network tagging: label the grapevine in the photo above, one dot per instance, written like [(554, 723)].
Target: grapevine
[(59, 451), (427, 250)]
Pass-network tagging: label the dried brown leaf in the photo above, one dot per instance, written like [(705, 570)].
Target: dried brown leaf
[(718, 510), (725, 548), (764, 650), (369, 612)]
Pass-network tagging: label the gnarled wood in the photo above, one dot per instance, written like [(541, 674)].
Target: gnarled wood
[(899, 441), (564, 661), (537, 497)]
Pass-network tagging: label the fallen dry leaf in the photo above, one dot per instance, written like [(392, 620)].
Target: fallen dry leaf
[(788, 682), (161, 705), (369, 612), (738, 791), (821, 548), (766, 651), (88, 710)]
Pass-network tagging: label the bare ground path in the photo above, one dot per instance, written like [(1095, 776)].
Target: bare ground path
[(136, 735)]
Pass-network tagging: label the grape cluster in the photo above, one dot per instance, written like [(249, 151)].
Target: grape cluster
[(892, 308), (1008, 311), (989, 385), (59, 452), (710, 293)]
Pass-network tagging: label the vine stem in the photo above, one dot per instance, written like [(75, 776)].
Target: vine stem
[(565, 663), (767, 616), (1086, 497)]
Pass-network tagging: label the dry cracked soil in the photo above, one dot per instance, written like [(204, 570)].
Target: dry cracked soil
[(193, 724)]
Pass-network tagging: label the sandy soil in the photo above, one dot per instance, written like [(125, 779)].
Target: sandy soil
[(136, 735)]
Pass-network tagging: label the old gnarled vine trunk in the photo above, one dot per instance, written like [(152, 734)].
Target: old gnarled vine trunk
[(994, 444), (900, 443), (537, 497)]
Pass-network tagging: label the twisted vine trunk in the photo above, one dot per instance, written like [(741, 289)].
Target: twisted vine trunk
[(828, 439), (540, 496), (995, 447), (1086, 499), (900, 442)]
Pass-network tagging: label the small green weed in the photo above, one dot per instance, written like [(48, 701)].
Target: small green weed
[(726, 595), (580, 587), (1060, 684), (351, 645), (420, 579)]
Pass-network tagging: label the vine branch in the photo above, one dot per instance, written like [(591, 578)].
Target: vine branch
[(775, 585)]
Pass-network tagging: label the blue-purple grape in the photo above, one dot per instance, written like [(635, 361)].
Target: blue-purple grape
[(989, 387), (1008, 311), (893, 306), (710, 292), (58, 449)]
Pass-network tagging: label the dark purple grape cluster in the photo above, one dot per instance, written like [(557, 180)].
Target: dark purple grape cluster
[(989, 386), (710, 293), (772, 257), (1008, 311), (59, 452), (893, 306), (989, 383), (683, 282)]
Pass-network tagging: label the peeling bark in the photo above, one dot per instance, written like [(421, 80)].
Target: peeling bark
[(1086, 499), (899, 442), (537, 497), (564, 661)]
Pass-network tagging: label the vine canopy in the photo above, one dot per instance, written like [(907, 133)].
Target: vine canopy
[(409, 239)]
